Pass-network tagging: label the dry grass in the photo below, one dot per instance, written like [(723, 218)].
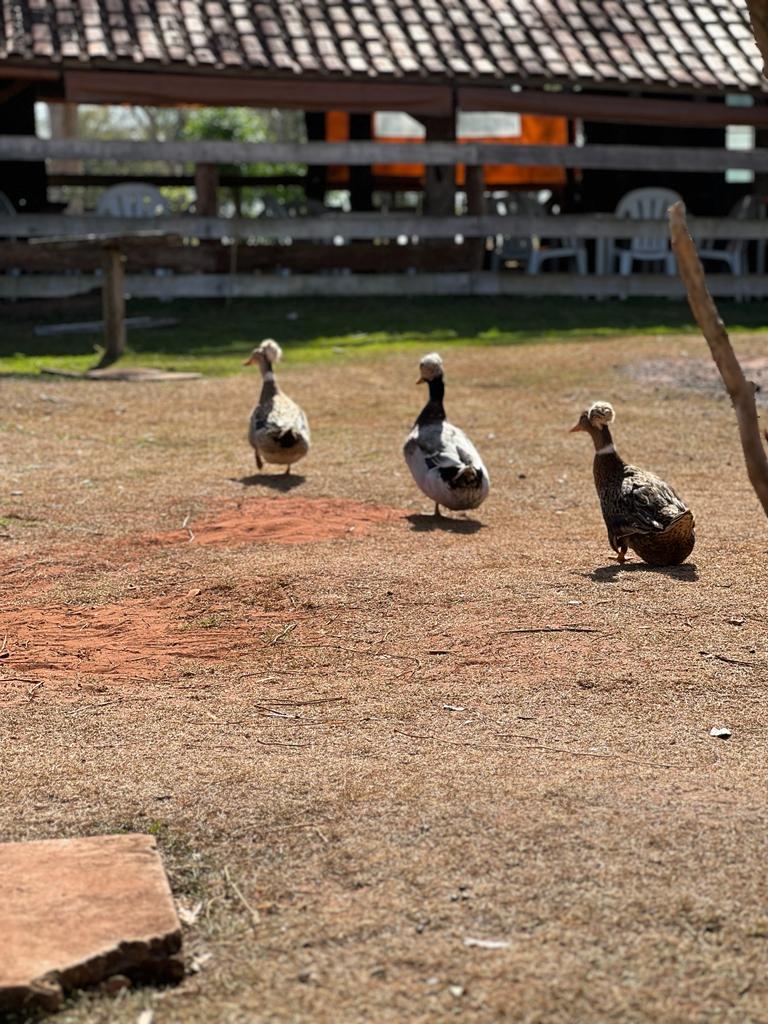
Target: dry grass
[(283, 730)]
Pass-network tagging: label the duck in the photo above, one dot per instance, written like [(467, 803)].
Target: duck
[(443, 461), (640, 510), (278, 429)]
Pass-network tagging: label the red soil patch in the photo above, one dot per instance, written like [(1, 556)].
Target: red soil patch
[(132, 639), (282, 521)]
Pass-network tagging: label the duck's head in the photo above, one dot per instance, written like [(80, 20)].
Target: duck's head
[(597, 416), (430, 367), (264, 355)]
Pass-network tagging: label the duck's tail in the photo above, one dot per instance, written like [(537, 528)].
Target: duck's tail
[(288, 439), (470, 476)]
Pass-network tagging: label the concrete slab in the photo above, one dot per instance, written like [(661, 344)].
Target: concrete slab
[(76, 911)]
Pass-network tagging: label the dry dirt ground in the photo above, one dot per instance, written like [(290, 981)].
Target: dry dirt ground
[(366, 740)]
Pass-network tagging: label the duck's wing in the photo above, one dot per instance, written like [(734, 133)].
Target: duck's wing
[(645, 504), (279, 417), (443, 445), (444, 450)]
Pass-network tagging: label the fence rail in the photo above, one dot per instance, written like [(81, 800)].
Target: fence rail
[(370, 225), (479, 283), (591, 157)]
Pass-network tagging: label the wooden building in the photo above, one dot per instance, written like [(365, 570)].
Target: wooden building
[(607, 71)]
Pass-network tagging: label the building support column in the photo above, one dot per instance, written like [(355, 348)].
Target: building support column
[(316, 175), (25, 184), (440, 182), (360, 178)]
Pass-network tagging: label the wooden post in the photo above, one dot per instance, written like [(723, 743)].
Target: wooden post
[(315, 184), (474, 186), (475, 189), (440, 182), (113, 305), (206, 184), (361, 178)]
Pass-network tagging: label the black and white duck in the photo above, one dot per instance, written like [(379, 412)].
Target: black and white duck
[(278, 429), (641, 512), (444, 462)]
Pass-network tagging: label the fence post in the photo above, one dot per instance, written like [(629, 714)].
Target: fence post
[(474, 186), (113, 305)]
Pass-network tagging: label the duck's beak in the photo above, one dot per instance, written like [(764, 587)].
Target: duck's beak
[(250, 361), (421, 381), (573, 430)]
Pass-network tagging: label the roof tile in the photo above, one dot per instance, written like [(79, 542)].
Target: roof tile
[(681, 43)]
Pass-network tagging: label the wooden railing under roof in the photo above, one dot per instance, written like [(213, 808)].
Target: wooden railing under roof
[(382, 227)]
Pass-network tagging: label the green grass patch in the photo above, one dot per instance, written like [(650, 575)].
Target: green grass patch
[(213, 337)]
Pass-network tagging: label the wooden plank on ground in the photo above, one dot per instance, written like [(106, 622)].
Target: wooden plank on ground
[(94, 326)]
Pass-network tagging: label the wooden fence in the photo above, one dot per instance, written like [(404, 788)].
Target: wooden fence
[(665, 159), (241, 250)]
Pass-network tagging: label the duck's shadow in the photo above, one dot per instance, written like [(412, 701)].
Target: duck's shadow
[(277, 481), (427, 524), (686, 573)]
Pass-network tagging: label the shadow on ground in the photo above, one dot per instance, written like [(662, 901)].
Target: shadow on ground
[(687, 573), (276, 481), (427, 524)]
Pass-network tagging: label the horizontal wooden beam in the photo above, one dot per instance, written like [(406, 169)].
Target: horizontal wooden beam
[(368, 225), (175, 181), (391, 285), (595, 106), (212, 258), (22, 73), (667, 159), (174, 88)]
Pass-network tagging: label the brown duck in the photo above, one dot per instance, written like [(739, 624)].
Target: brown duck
[(641, 512), (278, 429)]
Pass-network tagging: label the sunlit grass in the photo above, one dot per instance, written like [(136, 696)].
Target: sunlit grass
[(213, 337)]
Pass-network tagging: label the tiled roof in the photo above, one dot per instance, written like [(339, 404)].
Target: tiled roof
[(700, 44)]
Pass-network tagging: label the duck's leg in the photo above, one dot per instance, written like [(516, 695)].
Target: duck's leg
[(287, 470), (621, 554), (259, 463), (438, 513)]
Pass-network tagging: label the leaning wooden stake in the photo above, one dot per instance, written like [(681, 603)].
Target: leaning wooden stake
[(758, 14), (741, 390)]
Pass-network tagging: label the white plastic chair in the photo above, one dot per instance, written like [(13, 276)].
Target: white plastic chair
[(511, 248), (645, 204), (7, 209), (734, 252), (132, 199), (530, 249)]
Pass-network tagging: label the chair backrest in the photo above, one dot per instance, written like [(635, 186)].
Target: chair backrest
[(7, 209), (647, 204), (132, 199), (511, 247), (749, 208)]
